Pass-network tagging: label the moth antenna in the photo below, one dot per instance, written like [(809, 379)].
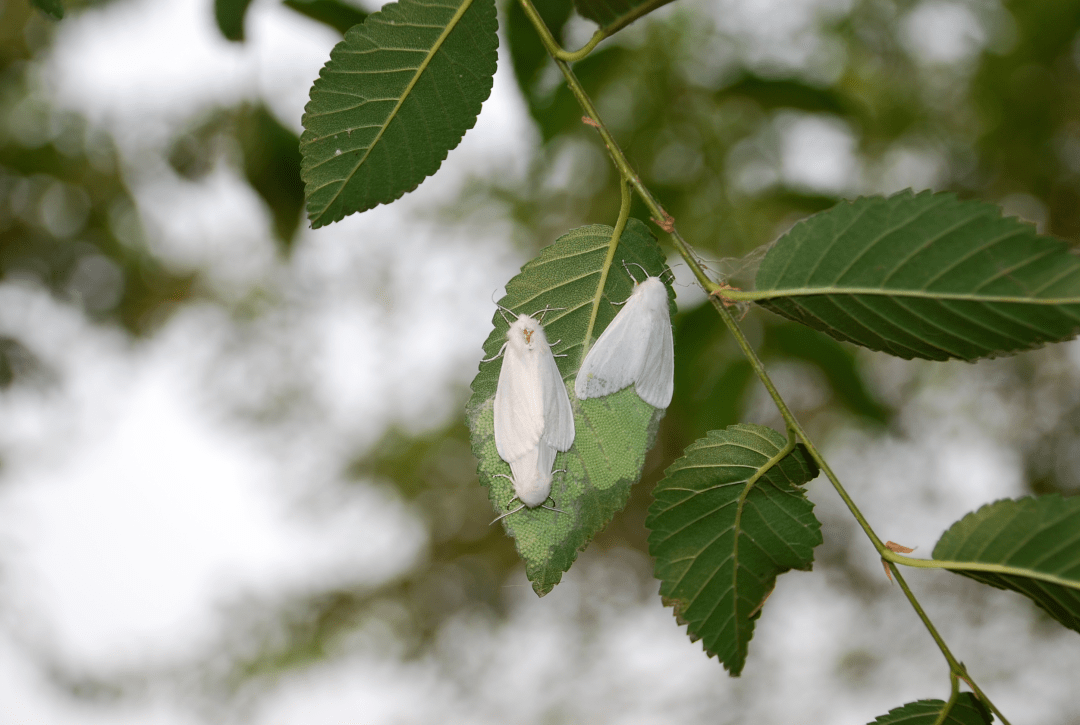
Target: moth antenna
[(502, 309), (645, 271), (496, 357), (549, 508), (545, 311)]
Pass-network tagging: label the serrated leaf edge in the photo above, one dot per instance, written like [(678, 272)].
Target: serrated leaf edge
[(450, 26)]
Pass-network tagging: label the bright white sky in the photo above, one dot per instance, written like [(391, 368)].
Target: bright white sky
[(124, 534)]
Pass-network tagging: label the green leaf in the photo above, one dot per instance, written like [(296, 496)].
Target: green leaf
[(398, 93), (338, 15), (1030, 545), (613, 15), (613, 433), (967, 710), (924, 275), (230, 18), (720, 543), (53, 8)]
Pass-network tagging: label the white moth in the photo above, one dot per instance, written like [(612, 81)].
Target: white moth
[(636, 348), (533, 417), (531, 477)]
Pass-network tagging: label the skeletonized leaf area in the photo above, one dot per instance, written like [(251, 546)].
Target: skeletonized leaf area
[(613, 433)]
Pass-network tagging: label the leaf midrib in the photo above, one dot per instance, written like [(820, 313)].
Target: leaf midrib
[(758, 295), (450, 26), (986, 567)]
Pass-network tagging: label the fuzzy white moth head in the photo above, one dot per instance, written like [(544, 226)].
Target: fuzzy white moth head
[(654, 291), (526, 334)]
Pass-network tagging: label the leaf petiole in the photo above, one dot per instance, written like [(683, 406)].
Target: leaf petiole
[(616, 234)]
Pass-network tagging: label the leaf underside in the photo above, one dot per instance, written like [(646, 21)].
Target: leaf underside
[(967, 710), (612, 15), (397, 94), (1039, 536), (613, 433), (720, 546), (924, 275)]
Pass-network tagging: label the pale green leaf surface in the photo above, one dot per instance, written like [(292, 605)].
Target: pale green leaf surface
[(397, 95), (719, 546), (967, 710), (924, 275), (613, 433), (613, 15), (1032, 546)]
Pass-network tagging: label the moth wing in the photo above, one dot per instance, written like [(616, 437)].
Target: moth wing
[(655, 383), (519, 404), (532, 475), (615, 359), (558, 415)]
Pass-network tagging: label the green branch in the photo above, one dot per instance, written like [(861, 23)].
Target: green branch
[(956, 667), (795, 430), (574, 56)]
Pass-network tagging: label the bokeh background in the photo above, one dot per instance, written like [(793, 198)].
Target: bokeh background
[(235, 481)]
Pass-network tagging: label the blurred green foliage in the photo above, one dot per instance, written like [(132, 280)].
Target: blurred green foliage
[(53, 8), (338, 15), (230, 15), (269, 157), (67, 219)]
